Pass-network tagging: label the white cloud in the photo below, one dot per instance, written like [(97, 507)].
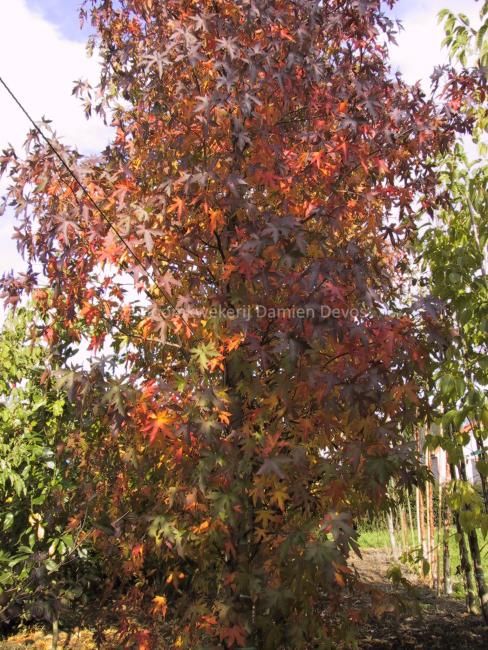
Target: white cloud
[(419, 44), (40, 66)]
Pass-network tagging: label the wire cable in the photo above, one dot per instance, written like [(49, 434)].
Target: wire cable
[(94, 203)]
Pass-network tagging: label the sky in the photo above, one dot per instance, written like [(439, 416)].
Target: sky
[(42, 52)]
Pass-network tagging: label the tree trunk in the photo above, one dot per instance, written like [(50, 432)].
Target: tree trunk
[(479, 574), (417, 516), (481, 448), (466, 568), (242, 541), (474, 548), (465, 564), (445, 517), (55, 629)]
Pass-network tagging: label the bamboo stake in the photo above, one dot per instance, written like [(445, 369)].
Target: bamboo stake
[(391, 532), (428, 531), (410, 521), (421, 510), (404, 527), (439, 523)]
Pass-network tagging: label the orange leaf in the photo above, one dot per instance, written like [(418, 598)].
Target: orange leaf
[(143, 640), (178, 205), (201, 528), (234, 342), (159, 423), (224, 417), (216, 220), (160, 606)]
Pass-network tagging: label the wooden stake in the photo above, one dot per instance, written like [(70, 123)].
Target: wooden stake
[(391, 532), (410, 521), (439, 528)]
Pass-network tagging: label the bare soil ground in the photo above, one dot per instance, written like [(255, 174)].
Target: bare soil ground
[(420, 621), (428, 621)]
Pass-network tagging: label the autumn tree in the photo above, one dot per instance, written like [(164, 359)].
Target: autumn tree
[(259, 198)]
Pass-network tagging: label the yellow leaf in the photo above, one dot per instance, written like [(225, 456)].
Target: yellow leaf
[(279, 497), (160, 606)]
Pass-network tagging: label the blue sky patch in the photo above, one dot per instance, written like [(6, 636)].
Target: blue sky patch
[(63, 14)]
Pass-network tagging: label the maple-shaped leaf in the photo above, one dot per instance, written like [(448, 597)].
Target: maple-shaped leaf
[(159, 423), (233, 636), (266, 517), (234, 342), (156, 60), (279, 497), (230, 45), (321, 552), (177, 206), (274, 466), (224, 417), (167, 282), (160, 606), (204, 353)]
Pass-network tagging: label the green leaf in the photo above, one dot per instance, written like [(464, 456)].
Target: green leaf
[(8, 521), (51, 565), (204, 353)]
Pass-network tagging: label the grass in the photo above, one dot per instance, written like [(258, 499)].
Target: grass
[(379, 538), (374, 539)]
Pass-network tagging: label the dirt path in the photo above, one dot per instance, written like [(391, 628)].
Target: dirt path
[(440, 623), (422, 620)]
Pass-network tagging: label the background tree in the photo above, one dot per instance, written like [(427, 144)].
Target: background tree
[(46, 561), (454, 254)]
